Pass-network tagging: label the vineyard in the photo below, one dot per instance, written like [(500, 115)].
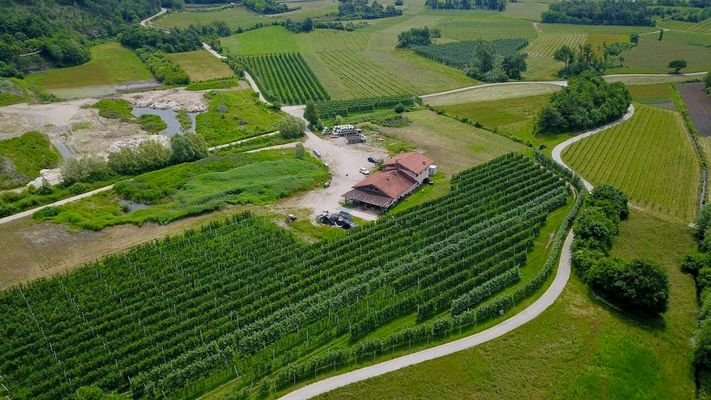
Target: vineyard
[(649, 157), (460, 54), (546, 45), (361, 77), (245, 298), (285, 78), (329, 109)]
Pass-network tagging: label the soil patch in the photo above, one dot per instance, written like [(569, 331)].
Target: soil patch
[(699, 105)]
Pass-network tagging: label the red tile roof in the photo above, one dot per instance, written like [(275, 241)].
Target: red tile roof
[(412, 161), (392, 183)]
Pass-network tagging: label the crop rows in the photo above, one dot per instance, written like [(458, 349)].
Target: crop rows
[(286, 78), (245, 295), (329, 39), (546, 45), (649, 157), (698, 27), (329, 109), (362, 78), (461, 54)]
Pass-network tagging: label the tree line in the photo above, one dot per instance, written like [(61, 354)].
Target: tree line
[(599, 12), (587, 102), (361, 9)]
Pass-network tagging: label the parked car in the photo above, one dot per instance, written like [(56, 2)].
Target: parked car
[(364, 171), (316, 153), (374, 160)]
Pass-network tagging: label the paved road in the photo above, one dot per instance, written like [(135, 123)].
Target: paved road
[(528, 314), (558, 150), (152, 17)]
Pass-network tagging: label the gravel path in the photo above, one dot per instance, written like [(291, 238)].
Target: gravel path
[(154, 16)]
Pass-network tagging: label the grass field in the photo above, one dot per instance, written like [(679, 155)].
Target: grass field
[(658, 94), (196, 188), (496, 92), (700, 27), (235, 115), (513, 117), (269, 40), (201, 65), (577, 349), (649, 157), (653, 56), (22, 158), (110, 63), (486, 26), (597, 40), (235, 17), (455, 145)]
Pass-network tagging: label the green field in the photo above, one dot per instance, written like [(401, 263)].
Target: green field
[(577, 349), (285, 78), (546, 45), (272, 39), (658, 94), (700, 27), (514, 117), (653, 56), (494, 92), (235, 115), (110, 64), (197, 188), (200, 65), (235, 17), (649, 157), (455, 145), (22, 158)]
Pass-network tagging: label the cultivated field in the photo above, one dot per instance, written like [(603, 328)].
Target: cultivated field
[(285, 77), (235, 17), (546, 45), (494, 92), (649, 157), (699, 105), (110, 64), (269, 40), (658, 94), (248, 324), (591, 351), (700, 27), (484, 26), (653, 56), (201, 65)]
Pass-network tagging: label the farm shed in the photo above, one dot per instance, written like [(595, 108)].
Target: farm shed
[(400, 176)]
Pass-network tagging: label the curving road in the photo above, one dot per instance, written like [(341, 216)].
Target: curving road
[(558, 150), (146, 21)]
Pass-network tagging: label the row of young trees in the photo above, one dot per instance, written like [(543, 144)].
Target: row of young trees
[(587, 102), (639, 285), (147, 156)]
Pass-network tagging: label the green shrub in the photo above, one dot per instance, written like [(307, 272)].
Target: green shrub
[(290, 127), (162, 68), (149, 155), (608, 193), (187, 147), (639, 286), (152, 123), (115, 109), (585, 259), (85, 169), (593, 225)]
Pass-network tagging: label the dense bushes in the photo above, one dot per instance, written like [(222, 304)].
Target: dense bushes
[(639, 286), (603, 12), (352, 9), (173, 41), (587, 102), (583, 59), (162, 68), (291, 127), (147, 156), (417, 37)]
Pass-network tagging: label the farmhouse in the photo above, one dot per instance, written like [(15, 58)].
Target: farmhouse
[(400, 176)]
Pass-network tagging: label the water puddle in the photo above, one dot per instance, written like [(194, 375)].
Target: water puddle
[(132, 205), (170, 117)]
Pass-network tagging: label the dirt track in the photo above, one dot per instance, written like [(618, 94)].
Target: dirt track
[(699, 105)]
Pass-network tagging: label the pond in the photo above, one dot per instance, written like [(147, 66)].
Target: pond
[(132, 205), (169, 116)]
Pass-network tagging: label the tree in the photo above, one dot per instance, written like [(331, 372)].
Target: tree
[(307, 25), (149, 155), (634, 38), (606, 192), (399, 108), (661, 35), (677, 65), (311, 115), (484, 57), (593, 224), (299, 151), (187, 147), (95, 393), (415, 37), (290, 127), (85, 169), (639, 286), (551, 120), (564, 54), (514, 65)]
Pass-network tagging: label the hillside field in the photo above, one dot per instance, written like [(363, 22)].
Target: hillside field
[(201, 65), (649, 157), (110, 63), (22, 158)]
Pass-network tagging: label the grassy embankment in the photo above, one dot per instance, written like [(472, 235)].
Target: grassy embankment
[(194, 188), (579, 348), (22, 158), (122, 109)]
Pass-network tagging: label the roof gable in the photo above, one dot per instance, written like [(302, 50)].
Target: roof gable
[(412, 161)]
